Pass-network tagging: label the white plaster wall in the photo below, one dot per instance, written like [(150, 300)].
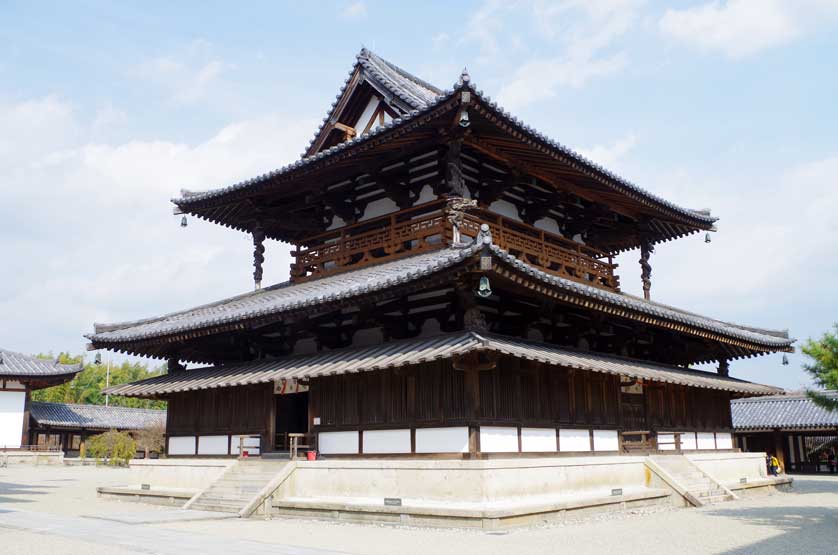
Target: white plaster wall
[(666, 442), (574, 440), (11, 417), (366, 337), (606, 440), (548, 224), (213, 445), (706, 440), (442, 440), (387, 441), (538, 440), (505, 208), (426, 194), (688, 441), (305, 346), (337, 222), (338, 443), (724, 441), (378, 208), (497, 439), (249, 444), (365, 117), (181, 445)]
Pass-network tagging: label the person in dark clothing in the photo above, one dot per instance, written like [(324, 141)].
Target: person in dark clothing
[(831, 462)]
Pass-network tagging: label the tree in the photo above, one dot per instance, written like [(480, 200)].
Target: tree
[(86, 387), (152, 439), (824, 369), (113, 447)]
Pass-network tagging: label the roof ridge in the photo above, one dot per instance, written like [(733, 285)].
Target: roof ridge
[(93, 405), (404, 73)]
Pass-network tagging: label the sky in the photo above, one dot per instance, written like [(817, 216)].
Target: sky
[(108, 109)]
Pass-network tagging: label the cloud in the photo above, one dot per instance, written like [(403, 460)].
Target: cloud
[(609, 155), (354, 11), (91, 231), (186, 75), (582, 36), (742, 28)]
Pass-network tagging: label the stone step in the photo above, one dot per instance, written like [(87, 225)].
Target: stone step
[(714, 499)]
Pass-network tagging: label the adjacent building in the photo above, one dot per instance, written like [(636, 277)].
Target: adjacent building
[(19, 376), (453, 293), (66, 426), (802, 434)]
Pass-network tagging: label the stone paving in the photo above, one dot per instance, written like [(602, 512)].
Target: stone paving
[(48, 510)]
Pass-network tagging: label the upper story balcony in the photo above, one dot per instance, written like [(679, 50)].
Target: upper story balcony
[(426, 227)]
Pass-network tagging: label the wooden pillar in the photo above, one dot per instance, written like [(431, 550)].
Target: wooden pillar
[(646, 250), (258, 255), (779, 448), (24, 435), (269, 435), (468, 364)]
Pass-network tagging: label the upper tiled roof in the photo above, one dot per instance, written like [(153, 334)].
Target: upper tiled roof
[(782, 411), (285, 297), (411, 89), (17, 364), (95, 417), (396, 354), (424, 98)]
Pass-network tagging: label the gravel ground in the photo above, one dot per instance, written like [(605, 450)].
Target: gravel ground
[(802, 521)]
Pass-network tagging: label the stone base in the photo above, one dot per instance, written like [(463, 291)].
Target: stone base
[(164, 497), (22, 456)]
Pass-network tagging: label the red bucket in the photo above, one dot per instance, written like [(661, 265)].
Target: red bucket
[(311, 455)]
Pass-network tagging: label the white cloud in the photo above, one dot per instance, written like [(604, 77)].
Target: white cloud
[(609, 155), (741, 28), (187, 75), (583, 36), (355, 10), (90, 228)]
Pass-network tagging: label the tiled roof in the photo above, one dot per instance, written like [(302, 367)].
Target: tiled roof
[(413, 351), (286, 297), (95, 417), (424, 97), (411, 90), (782, 411), (17, 364)]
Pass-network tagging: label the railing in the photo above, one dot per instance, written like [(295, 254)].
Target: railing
[(403, 233), (546, 250), (426, 227), (639, 442)]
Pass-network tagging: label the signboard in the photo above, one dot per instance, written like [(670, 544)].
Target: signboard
[(286, 387)]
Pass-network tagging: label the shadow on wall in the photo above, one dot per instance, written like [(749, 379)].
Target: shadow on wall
[(799, 529)]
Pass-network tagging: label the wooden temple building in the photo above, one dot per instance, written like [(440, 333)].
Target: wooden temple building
[(452, 294), (20, 375)]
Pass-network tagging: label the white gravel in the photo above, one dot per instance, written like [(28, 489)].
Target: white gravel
[(803, 521)]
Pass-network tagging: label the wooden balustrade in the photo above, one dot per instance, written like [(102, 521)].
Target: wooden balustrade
[(426, 227)]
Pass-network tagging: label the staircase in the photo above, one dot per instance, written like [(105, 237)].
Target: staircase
[(700, 489), (238, 486)]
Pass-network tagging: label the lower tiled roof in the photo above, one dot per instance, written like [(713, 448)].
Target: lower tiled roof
[(95, 417), (796, 411), (17, 364), (286, 297), (414, 351)]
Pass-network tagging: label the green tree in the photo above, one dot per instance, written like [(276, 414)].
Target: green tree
[(113, 447), (87, 386), (824, 368)]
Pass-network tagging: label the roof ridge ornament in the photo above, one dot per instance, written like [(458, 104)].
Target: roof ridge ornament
[(464, 77), (455, 212)]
